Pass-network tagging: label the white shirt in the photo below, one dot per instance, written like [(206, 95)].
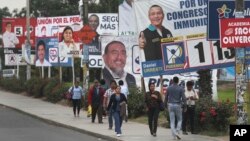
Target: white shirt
[(45, 63), (108, 94), (124, 90), (10, 39), (127, 20), (66, 51), (189, 94), (77, 92)]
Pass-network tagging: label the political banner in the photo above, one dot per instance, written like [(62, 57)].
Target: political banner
[(182, 45), (221, 9), (15, 32), (47, 53), (107, 23), (235, 32), (118, 58)]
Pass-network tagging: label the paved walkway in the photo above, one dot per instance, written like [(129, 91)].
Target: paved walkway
[(63, 115)]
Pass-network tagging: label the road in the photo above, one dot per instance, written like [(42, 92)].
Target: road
[(17, 126)]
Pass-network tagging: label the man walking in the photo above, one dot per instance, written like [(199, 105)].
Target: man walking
[(175, 97)]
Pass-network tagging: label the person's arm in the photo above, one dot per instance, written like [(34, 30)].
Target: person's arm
[(16, 40), (142, 40), (90, 96), (110, 102)]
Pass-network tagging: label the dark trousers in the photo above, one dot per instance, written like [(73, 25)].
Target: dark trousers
[(118, 121), (153, 114), (76, 105), (188, 115), (97, 109)]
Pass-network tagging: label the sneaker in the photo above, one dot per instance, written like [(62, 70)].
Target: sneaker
[(178, 137), (184, 133), (118, 135), (194, 133)]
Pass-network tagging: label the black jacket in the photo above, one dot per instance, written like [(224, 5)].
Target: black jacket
[(130, 79), (152, 50), (113, 102)]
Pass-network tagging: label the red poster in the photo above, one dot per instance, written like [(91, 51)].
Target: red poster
[(235, 32), (14, 32)]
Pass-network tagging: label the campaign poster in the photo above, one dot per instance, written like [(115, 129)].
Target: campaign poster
[(118, 59), (67, 30), (219, 10), (234, 32), (184, 24), (14, 32)]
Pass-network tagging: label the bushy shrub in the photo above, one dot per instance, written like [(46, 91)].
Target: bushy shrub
[(136, 103), (57, 93), (13, 84), (35, 86), (212, 115), (52, 83)]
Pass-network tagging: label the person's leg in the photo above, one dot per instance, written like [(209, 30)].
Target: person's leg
[(155, 120), (74, 106), (78, 106), (110, 119), (150, 120), (184, 121), (171, 111), (99, 113), (117, 122), (94, 110), (179, 117), (191, 117)]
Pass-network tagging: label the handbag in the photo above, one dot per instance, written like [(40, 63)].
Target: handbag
[(161, 106), (70, 94)]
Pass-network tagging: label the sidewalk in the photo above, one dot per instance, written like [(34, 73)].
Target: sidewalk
[(63, 115)]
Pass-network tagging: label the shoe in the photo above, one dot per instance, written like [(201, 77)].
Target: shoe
[(194, 133), (110, 128), (184, 133), (100, 122), (118, 135), (178, 137), (154, 134)]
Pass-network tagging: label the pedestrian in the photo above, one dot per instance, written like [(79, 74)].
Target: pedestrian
[(153, 100), (107, 96), (125, 91), (105, 87), (116, 104), (174, 98), (77, 96), (95, 99), (189, 112)]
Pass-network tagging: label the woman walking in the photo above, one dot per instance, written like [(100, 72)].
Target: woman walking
[(117, 102), (153, 100), (77, 95)]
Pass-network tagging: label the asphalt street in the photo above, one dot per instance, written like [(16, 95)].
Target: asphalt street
[(17, 126)]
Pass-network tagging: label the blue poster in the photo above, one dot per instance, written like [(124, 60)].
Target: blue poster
[(221, 9)]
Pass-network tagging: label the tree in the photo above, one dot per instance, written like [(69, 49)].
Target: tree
[(205, 85), (4, 12)]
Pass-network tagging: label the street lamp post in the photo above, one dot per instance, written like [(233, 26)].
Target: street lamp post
[(28, 48), (240, 73)]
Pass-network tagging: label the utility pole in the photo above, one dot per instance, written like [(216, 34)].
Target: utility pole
[(240, 73), (27, 44)]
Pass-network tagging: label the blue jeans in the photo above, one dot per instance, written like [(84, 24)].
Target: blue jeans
[(175, 111), (110, 118), (118, 121)]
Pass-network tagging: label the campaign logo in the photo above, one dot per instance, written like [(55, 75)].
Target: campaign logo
[(173, 55), (224, 11)]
